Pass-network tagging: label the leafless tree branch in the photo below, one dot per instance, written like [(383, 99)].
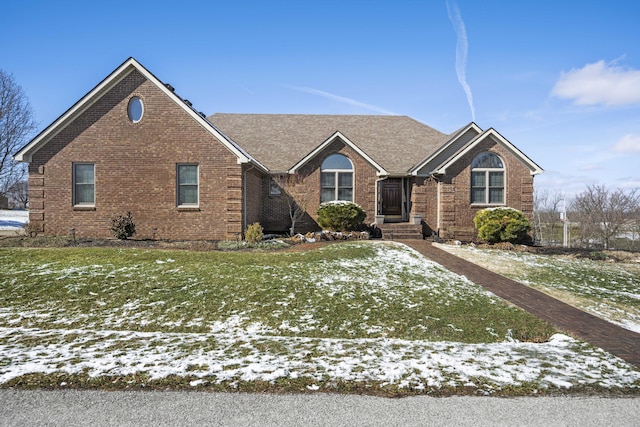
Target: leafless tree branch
[(16, 125)]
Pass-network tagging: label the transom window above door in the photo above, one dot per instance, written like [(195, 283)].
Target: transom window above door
[(336, 179), (487, 179)]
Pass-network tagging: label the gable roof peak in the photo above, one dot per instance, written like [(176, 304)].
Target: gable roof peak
[(25, 154)]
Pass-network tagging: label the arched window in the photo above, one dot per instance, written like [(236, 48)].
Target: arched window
[(336, 179), (487, 179)]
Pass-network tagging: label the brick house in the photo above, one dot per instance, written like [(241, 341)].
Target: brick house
[(132, 144)]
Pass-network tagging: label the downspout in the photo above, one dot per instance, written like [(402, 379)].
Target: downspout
[(244, 198)]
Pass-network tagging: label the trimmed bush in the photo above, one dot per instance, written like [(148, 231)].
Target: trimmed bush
[(502, 225), (254, 233), (340, 215), (122, 226)]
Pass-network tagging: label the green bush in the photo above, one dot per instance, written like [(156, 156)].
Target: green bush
[(122, 226), (340, 215), (502, 225), (254, 233)]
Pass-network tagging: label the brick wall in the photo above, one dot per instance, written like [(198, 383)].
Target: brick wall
[(363, 181), (135, 170), (254, 195), (275, 211), (424, 201), (457, 212)]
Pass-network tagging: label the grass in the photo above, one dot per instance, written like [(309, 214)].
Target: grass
[(610, 290), (363, 316), (332, 292)]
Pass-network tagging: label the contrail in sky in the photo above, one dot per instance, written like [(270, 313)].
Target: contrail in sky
[(343, 100), (462, 46)]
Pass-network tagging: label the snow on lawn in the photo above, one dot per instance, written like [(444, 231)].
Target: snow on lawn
[(241, 348), (246, 355), (13, 219), (610, 291)]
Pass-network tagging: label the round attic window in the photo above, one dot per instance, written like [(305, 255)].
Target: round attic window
[(135, 109)]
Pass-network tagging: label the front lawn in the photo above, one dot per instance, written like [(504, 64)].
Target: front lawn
[(604, 288), (366, 316)]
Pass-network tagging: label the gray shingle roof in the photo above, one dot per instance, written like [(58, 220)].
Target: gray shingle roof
[(279, 141)]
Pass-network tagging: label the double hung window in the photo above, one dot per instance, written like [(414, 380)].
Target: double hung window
[(84, 184), (336, 179), (487, 179), (187, 185)]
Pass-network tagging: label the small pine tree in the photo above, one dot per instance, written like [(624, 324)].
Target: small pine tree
[(254, 233)]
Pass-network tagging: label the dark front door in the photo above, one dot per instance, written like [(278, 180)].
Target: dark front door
[(392, 196)]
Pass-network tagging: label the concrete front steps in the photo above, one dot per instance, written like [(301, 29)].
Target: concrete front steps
[(401, 231)]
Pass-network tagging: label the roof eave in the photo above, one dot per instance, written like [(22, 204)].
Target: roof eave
[(534, 169), (416, 169), (380, 171), (25, 154)]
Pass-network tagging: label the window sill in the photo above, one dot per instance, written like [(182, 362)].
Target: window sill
[(81, 208), (488, 205), (188, 209)]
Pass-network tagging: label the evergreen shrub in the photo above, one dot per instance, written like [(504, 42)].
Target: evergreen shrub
[(340, 215), (254, 233), (502, 225)]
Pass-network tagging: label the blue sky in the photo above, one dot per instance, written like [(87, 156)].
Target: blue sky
[(559, 79)]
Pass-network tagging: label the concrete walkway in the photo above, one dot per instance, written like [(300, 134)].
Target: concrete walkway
[(614, 339)]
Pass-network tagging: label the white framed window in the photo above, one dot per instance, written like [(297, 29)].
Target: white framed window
[(135, 109), (187, 185), (84, 184), (336, 179), (487, 179)]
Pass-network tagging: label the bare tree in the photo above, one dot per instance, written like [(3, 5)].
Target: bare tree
[(296, 195), (548, 207), (603, 213), (16, 125), (18, 194)]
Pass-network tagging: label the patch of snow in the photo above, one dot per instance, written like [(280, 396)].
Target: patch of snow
[(242, 355), (11, 220), (608, 291), (239, 348)]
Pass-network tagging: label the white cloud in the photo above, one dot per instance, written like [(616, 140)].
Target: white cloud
[(599, 83), (628, 144), (343, 100)]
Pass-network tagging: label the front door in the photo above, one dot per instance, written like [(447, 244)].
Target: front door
[(392, 197)]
